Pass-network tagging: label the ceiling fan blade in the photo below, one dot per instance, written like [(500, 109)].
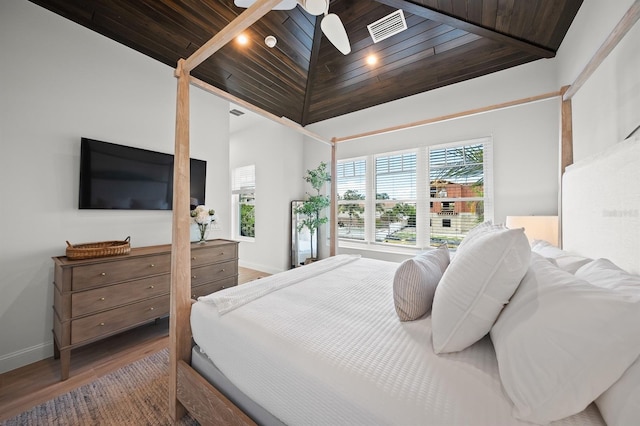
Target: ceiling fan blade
[(283, 5), (333, 28)]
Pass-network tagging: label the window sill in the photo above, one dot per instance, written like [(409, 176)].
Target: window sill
[(245, 239), (382, 248)]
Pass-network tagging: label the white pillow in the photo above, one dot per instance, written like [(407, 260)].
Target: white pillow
[(415, 281), (620, 404), (562, 341), (565, 260), (604, 273), (476, 286)]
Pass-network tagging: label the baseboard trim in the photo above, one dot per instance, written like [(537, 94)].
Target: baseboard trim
[(25, 356), (261, 268)]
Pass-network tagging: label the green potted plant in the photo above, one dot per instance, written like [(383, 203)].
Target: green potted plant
[(311, 208)]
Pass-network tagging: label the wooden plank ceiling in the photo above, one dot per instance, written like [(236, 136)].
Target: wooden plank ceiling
[(304, 77)]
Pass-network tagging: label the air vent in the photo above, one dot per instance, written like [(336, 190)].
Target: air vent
[(391, 24), (236, 112)]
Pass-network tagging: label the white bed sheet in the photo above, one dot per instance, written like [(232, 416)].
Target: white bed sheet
[(330, 350)]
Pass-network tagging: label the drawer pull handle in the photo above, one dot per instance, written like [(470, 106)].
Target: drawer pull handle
[(221, 253), (151, 308), (153, 265), (223, 287), (101, 324), (103, 274), (194, 277), (102, 298), (222, 270), (193, 296), (193, 258), (150, 286)]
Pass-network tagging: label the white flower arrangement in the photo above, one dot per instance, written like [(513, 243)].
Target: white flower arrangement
[(203, 217)]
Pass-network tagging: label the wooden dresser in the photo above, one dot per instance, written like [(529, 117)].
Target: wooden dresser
[(96, 298)]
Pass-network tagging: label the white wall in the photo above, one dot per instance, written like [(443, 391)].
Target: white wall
[(515, 83), (60, 82), (607, 108), (275, 151), (525, 137)]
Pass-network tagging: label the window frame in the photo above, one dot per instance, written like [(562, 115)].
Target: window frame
[(362, 202), (236, 196), (405, 200), (423, 199)]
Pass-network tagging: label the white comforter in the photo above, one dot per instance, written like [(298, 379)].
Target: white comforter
[(322, 345)]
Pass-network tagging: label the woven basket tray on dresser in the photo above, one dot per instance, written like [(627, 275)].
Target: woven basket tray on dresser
[(99, 249)]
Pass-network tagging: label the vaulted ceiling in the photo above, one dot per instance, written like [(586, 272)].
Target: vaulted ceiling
[(304, 77)]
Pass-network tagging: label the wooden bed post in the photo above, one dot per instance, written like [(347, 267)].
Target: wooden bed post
[(180, 311), (179, 329), (566, 148), (566, 151), (625, 24), (333, 235), (566, 144)]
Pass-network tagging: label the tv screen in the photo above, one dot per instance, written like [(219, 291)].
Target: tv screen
[(122, 177)]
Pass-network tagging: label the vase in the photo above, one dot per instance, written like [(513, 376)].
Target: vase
[(202, 227)]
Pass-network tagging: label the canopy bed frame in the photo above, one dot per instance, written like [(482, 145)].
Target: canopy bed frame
[(188, 391)]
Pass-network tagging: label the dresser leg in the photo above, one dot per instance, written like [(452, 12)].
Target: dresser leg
[(65, 360)]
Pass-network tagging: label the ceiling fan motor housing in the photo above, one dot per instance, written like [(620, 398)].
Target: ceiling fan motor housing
[(315, 7)]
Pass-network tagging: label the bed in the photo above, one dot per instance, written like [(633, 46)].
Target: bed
[(330, 350), (324, 344)]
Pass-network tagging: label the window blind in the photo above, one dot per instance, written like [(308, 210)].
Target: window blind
[(243, 179)]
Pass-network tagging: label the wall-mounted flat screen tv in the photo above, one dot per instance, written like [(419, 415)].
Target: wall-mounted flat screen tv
[(121, 177)]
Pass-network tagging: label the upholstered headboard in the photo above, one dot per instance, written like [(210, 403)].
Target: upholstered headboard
[(601, 206)]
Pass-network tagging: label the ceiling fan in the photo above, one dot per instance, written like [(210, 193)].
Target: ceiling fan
[(331, 25)]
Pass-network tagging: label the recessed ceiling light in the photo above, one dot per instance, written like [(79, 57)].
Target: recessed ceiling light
[(242, 39), (372, 59)]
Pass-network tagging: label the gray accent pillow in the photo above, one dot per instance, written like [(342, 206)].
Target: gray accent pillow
[(415, 281)]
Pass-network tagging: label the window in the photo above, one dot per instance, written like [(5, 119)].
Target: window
[(396, 198), (416, 198), (243, 202)]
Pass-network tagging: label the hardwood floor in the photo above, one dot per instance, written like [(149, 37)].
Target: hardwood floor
[(33, 384)]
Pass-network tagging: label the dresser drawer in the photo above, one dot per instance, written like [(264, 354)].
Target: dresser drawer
[(217, 253), (118, 319), (94, 275), (99, 299), (218, 271), (203, 290)]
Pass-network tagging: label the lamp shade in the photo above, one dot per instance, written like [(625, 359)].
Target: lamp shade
[(536, 227)]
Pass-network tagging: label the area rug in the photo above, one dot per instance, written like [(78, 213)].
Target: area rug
[(136, 394)]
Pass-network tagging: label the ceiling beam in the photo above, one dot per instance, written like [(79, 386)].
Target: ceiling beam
[(433, 15), (311, 74)]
